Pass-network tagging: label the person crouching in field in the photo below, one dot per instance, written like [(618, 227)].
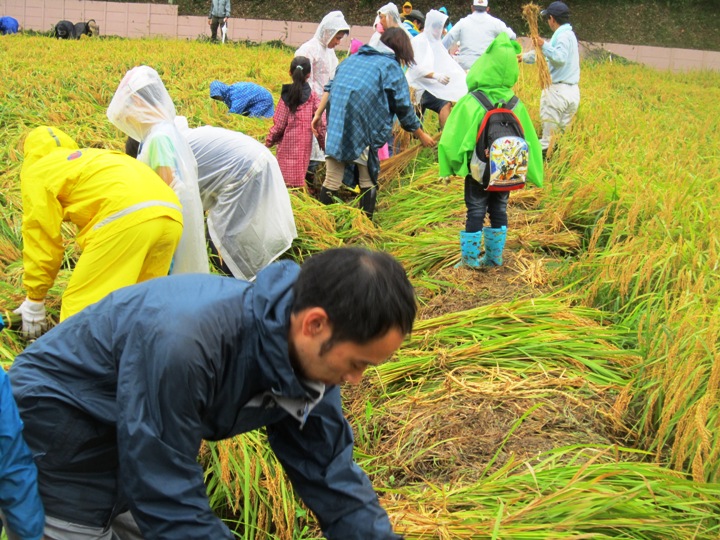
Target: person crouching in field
[(117, 400), (142, 109), (292, 125), (129, 222), (249, 217), (369, 88), (494, 73)]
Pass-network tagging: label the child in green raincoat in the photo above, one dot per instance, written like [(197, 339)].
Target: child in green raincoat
[(494, 73)]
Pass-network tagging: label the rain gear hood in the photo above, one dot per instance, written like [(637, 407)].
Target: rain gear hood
[(322, 59), (140, 103), (494, 73), (331, 24), (43, 140), (432, 57), (142, 109)]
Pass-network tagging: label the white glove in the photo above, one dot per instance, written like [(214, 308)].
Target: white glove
[(441, 78), (34, 320)]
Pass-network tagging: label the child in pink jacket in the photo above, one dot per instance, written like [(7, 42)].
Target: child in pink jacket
[(291, 129)]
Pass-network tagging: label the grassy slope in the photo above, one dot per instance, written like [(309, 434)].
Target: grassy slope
[(692, 24)]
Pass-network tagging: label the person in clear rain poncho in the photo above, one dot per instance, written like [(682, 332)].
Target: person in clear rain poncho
[(387, 17), (250, 220), (320, 50), (437, 79), (142, 109)]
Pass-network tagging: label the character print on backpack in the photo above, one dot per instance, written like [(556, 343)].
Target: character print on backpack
[(500, 159)]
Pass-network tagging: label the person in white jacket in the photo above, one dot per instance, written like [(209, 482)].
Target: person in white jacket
[(320, 50), (475, 33), (142, 109), (437, 79)]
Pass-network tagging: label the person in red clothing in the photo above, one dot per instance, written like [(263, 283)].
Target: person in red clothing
[(292, 130)]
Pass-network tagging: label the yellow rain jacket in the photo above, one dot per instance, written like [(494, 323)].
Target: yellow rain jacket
[(101, 191)]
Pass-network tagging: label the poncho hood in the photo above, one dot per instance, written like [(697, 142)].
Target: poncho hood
[(140, 102), (497, 67), (331, 24)]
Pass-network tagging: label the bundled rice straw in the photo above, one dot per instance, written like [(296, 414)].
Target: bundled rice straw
[(531, 12), (394, 165)]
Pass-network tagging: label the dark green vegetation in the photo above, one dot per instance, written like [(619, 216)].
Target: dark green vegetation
[(689, 24)]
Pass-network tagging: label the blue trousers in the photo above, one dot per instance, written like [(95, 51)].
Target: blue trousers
[(480, 202)]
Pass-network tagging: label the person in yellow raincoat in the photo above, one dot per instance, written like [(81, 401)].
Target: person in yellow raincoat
[(129, 222)]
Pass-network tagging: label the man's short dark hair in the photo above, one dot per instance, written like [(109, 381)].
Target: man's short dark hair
[(364, 293)]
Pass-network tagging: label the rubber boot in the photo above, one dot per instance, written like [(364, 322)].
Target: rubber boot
[(494, 245), (470, 249), (368, 198), (327, 196)]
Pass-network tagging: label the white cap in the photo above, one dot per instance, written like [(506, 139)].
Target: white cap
[(480, 3)]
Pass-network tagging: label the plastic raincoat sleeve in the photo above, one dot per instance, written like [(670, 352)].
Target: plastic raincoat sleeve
[(319, 461), (19, 498), (280, 120), (42, 239), (159, 434)]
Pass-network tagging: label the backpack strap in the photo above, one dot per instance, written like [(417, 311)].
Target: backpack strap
[(483, 99), (489, 106)]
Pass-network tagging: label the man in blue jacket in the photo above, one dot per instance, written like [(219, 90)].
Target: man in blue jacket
[(117, 399)]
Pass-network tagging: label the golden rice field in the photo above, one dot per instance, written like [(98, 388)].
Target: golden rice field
[(572, 394)]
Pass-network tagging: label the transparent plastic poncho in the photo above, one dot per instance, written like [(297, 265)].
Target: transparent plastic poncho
[(432, 57), (142, 109), (250, 219)]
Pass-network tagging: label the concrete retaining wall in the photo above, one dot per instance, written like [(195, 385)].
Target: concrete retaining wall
[(162, 20)]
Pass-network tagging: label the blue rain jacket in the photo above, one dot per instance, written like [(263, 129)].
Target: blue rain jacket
[(245, 98), (19, 498), (9, 25), (118, 398)]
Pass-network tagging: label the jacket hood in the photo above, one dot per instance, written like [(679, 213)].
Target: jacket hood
[(43, 140), (497, 67), (286, 90), (434, 25), (140, 102), (272, 301), (219, 90), (390, 10), (331, 24)]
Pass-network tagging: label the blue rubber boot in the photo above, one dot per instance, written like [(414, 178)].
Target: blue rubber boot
[(494, 245), (470, 249)]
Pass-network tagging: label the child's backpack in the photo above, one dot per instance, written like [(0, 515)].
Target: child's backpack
[(500, 159)]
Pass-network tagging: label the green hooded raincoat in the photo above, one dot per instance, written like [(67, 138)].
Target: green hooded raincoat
[(495, 73)]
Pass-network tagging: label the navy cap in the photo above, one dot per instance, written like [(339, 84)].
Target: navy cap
[(556, 9)]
